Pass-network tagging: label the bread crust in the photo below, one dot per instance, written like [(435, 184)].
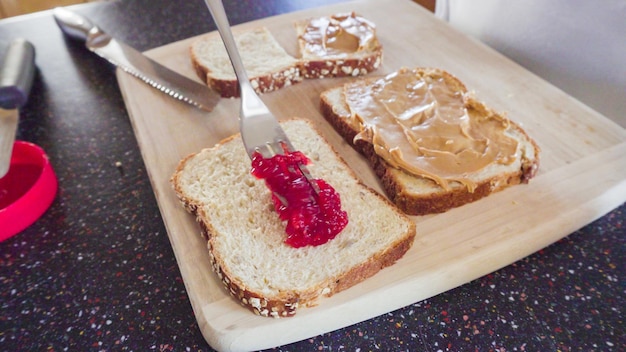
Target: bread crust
[(348, 67), (287, 302), (439, 200)]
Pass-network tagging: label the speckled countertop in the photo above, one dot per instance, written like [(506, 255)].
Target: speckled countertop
[(97, 271)]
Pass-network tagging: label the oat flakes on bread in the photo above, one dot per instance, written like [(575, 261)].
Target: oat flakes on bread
[(418, 195), (339, 45), (268, 65), (246, 239)]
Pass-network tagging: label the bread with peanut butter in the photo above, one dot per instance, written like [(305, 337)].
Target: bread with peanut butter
[(268, 65), (246, 238), (340, 45), (431, 143)]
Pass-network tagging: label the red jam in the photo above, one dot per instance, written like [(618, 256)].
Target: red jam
[(312, 219)]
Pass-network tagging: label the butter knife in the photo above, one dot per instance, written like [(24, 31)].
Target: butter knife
[(16, 79), (134, 62)]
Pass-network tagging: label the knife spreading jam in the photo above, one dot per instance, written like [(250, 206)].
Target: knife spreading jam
[(313, 218)]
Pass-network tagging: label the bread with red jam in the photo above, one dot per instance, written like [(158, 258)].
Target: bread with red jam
[(246, 238), (417, 195)]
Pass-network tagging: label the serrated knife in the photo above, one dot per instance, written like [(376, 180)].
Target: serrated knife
[(134, 62)]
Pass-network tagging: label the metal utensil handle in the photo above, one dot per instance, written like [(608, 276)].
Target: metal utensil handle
[(221, 20), (251, 103), (16, 74), (74, 25)]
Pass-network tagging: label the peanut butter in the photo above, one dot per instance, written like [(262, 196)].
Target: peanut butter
[(338, 35), (423, 126)]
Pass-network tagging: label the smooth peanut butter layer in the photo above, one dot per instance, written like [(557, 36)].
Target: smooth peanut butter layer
[(339, 34), (422, 125)]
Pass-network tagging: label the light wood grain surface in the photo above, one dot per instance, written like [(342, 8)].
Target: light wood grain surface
[(582, 175)]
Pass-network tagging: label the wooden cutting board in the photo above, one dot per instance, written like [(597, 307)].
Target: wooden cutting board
[(582, 175)]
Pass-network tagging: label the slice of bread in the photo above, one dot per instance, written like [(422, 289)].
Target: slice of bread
[(268, 65), (246, 238), (358, 55), (417, 195)]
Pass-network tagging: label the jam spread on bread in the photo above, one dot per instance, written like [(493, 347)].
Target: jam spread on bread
[(422, 125), (339, 34), (313, 218)]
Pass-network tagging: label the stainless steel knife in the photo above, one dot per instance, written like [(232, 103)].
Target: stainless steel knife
[(134, 62), (16, 79)]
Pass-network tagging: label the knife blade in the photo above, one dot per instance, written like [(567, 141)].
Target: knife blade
[(134, 62), (16, 79)]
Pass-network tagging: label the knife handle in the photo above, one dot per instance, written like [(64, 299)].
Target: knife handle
[(16, 74), (74, 25)]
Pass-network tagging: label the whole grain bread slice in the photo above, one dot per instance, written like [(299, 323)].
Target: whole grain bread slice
[(417, 195), (246, 238), (268, 65), (366, 59)]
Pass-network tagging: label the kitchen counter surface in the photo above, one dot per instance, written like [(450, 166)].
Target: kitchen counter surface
[(97, 271)]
